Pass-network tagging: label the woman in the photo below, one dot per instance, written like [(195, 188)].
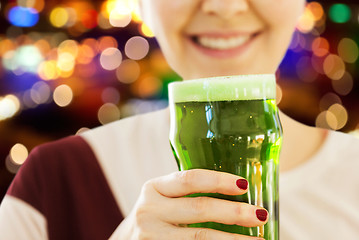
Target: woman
[(120, 180)]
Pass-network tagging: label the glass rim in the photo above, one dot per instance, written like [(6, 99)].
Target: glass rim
[(224, 88)]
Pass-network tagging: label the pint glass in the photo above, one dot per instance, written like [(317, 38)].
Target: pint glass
[(231, 124)]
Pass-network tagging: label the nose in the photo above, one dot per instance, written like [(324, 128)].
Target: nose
[(224, 8)]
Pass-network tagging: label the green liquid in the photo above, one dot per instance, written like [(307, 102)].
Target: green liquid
[(242, 137)]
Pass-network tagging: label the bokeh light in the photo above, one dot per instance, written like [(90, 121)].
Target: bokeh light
[(19, 153), (108, 112), (146, 31), (348, 50), (85, 54), (341, 116), (103, 22), (128, 72), (334, 67), (82, 130), (110, 95), (9, 106), (59, 17), (36, 4), (48, 70), (320, 46), (325, 119), (89, 19), (23, 17), (66, 62), (307, 21), (6, 45), (68, 46), (316, 9), (107, 42), (340, 13), (147, 85), (111, 58), (92, 43), (329, 99), (136, 48), (40, 92), (120, 17), (26, 58), (344, 85), (63, 95)]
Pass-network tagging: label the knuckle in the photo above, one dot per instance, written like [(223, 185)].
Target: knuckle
[(201, 234), (142, 215), (239, 212), (187, 178), (199, 205), (238, 209), (147, 186), (217, 180), (144, 235)]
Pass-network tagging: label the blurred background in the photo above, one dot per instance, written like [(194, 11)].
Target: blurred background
[(67, 66)]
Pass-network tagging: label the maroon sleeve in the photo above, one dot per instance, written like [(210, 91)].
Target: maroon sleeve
[(65, 182)]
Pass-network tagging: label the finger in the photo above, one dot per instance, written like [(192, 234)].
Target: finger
[(210, 234), (207, 209), (183, 183)]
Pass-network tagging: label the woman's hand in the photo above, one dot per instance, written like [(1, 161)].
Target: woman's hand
[(161, 208)]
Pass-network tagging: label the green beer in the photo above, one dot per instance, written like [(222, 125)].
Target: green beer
[(231, 124)]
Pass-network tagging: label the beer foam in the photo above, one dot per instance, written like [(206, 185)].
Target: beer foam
[(226, 88)]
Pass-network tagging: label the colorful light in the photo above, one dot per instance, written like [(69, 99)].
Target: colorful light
[(40, 92), (19, 153), (23, 17), (107, 113), (344, 85), (48, 70), (120, 18), (36, 4), (107, 42), (111, 59), (340, 13), (306, 22), (334, 67), (110, 95), (348, 50), (136, 48), (128, 72), (341, 116), (89, 19), (63, 95), (9, 106), (316, 9), (26, 58), (59, 17), (329, 99), (320, 46), (146, 31)]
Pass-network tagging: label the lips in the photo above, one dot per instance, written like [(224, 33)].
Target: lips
[(223, 45)]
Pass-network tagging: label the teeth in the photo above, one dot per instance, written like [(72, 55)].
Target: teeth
[(222, 43)]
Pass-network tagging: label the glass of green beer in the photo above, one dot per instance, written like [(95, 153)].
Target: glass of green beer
[(231, 124)]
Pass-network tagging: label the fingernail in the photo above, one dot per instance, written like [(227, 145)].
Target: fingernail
[(242, 184), (261, 214)]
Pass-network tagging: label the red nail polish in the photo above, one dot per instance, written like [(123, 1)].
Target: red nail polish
[(242, 184), (261, 214)]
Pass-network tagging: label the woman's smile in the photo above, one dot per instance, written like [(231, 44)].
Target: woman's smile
[(223, 45)]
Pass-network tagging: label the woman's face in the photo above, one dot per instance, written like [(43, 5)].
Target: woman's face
[(205, 38)]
